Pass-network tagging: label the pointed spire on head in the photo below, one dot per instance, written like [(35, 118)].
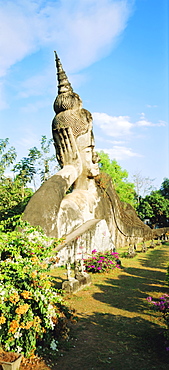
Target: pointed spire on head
[(68, 107), (64, 85)]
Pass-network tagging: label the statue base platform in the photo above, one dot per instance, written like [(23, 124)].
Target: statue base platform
[(77, 283)]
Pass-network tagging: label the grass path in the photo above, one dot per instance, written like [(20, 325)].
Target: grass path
[(116, 329)]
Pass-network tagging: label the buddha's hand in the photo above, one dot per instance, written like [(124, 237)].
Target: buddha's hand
[(67, 152)]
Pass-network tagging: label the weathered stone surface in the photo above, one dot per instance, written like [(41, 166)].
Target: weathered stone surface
[(71, 286), (61, 214)]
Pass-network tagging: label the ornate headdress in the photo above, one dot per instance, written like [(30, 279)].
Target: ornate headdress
[(68, 106)]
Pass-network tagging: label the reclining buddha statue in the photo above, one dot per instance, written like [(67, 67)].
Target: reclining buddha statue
[(75, 194)]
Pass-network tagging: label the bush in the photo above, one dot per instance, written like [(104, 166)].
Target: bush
[(162, 305), (13, 200), (167, 275), (101, 262), (32, 312)]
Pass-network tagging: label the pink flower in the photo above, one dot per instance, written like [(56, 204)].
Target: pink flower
[(149, 299), (94, 251)]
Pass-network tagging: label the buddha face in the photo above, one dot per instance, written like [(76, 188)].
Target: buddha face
[(88, 155)]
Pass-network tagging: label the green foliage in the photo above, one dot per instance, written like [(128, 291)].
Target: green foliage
[(165, 188), (155, 207), (31, 309), (167, 273), (14, 195), (144, 209), (37, 162), (119, 177), (6, 157), (25, 170), (13, 200), (42, 158)]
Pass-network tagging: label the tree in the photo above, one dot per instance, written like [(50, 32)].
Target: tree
[(37, 162), (165, 188), (154, 207), (44, 158), (12, 202), (14, 194), (25, 170), (143, 185), (123, 187), (6, 157)]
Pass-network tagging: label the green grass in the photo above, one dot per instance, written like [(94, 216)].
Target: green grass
[(116, 329)]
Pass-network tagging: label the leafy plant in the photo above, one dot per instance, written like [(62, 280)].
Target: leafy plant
[(154, 207), (124, 188), (162, 305), (101, 262), (32, 311), (12, 200), (6, 157)]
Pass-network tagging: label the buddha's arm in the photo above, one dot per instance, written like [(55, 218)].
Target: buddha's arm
[(44, 205)]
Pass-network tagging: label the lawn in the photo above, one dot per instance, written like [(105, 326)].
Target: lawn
[(116, 329)]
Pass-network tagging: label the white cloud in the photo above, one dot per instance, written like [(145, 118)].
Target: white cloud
[(121, 126), (151, 106), (82, 31), (144, 122), (19, 33), (112, 125), (120, 152), (108, 141), (88, 30)]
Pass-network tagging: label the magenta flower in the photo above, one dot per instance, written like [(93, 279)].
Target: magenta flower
[(149, 299), (94, 251)]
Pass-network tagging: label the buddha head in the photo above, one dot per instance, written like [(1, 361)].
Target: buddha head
[(69, 113)]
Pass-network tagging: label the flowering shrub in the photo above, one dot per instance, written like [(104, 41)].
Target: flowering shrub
[(167, 275), (101, 262), (162, 305), (31, 309)]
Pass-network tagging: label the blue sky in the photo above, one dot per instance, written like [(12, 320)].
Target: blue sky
[(115, 54)]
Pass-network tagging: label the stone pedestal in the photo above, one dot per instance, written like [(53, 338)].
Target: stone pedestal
[(77, 283), (70, 286), (83, 279)]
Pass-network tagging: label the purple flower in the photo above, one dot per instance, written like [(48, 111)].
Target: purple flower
[(149, 299), (94, 251), (167, 348)]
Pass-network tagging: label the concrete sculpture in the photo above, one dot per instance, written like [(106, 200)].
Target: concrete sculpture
[(92, 210)]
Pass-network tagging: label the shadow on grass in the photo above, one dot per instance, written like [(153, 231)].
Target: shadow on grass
[(114, 342), (130, 290), (122, 338), (156, 258)]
